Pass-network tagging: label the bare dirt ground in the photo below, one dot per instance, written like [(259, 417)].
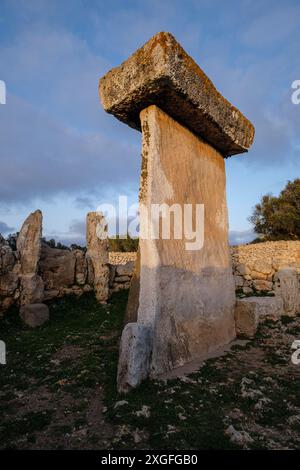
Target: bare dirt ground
[(58, 391)]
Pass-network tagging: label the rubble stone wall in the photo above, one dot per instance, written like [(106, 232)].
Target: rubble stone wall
[(121, 267), (63, 272), (69, 272), (255, 266)]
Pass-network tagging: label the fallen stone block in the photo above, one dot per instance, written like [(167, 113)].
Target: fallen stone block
[(34, 315), (134, 358), (251, 311)]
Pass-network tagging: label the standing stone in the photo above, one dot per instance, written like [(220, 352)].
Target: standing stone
[(29, 249), (29, 243), (97, 253), (287, 287), (134, 293), (81, 267), (185, 298)]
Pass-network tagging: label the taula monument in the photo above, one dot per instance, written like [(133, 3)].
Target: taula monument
[(181, 306)]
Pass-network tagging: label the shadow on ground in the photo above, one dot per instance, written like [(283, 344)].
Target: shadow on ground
[(58, 391)]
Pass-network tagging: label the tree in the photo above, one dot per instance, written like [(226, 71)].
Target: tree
[(278, 218)]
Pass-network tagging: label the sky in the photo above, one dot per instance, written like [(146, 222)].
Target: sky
[(61, 153)]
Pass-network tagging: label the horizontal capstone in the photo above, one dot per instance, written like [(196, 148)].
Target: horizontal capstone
[(163, 74)]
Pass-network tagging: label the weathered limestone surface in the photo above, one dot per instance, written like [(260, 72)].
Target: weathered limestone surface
[(97, 253), (9, 276), (57, 267), (29, 249), (251, 311), (134, 293), (287, 287), (255, 265), (32, 289), (34, 315), (121, 269), (55, 272), (80, 268), (186, 296), (135, 352), (162, 73), (251, 263), (29, 243)]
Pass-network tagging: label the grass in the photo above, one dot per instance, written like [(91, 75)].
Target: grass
[(58, 389)]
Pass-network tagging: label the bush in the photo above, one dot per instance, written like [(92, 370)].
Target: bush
[(278, 218)]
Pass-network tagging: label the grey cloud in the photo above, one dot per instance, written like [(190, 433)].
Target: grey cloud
[(5, 229), (276, 25), (85, 202), (75, 234), (240, 237), (78, 227), (41, 157)]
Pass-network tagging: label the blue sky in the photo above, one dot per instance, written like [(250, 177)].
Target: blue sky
[(60, 152)]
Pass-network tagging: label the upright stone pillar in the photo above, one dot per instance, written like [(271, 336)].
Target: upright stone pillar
[(97, 254), (29, 249), (186, 297)]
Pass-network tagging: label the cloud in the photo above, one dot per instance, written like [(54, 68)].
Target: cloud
[(85, 202), (240, 237), (276, 25), (4, 228), (75, 234), (56, 139), (78, 227), (41, 157)]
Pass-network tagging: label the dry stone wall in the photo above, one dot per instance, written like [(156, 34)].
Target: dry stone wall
[(121, 266), (255, 266), (57, 273), (64, 272)]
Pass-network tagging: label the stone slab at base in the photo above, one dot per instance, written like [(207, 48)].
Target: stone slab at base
[(34, 315), (134, 358), (251, 311)]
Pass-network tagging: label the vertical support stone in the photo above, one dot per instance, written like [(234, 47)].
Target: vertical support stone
[(97, 253), (29, 248), (187, 296), (134, 293)]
